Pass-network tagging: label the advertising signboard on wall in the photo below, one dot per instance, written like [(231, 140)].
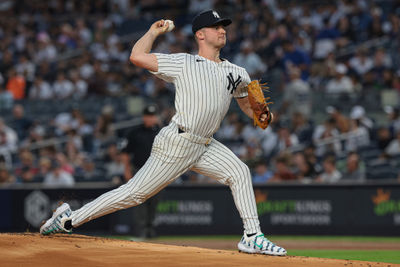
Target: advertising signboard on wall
[(321, 209)]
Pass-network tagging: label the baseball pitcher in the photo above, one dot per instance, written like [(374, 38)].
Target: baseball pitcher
[(205, 85)]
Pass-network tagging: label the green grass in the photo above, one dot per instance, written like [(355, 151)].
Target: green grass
[(388, 256), (340, 238)]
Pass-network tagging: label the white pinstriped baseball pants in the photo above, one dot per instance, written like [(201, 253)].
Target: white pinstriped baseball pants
[(171, 156)]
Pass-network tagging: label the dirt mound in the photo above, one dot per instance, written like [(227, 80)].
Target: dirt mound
[(77, 250), (287, 244)]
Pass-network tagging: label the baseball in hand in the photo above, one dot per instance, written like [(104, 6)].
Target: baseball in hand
[(171, 25)]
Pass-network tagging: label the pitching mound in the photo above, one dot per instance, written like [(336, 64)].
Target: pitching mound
[(77, 250)]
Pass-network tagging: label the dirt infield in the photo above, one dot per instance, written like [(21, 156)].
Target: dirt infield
[(288, 244), (77, 250)]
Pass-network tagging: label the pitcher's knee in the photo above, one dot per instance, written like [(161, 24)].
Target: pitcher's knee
[(240, 174), (138, 198)]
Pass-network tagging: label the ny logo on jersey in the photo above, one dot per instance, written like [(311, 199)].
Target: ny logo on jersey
[(232, 83)]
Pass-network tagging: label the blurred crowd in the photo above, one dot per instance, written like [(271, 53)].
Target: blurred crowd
[(70, 50)]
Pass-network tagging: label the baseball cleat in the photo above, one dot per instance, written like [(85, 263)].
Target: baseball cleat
[(56, 224), (260, 245)]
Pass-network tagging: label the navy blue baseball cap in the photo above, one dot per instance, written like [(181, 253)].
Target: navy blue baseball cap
[(207, 19), (150, 110)]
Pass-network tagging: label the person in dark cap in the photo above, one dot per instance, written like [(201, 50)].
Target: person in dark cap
[(136, 151), (208, 18), (204, 86)]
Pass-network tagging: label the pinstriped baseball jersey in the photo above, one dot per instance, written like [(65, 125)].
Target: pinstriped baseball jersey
[(204, 89)]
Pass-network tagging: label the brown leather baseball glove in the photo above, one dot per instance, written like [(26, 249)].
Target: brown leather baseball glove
[(262, 116)]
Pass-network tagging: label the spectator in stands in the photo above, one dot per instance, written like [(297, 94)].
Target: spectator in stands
[(396, 81), (355, 170), (358, 113), (228, 128), (85, 131), (80, 86), (104, 131), (330, 173), (85, 66), (361, 63), (67, 37), (196, 6), (294, 57), (37, 133), (393, 148), (26, 68), (249, 60), (311, 157), (27, 171), (394, 119), (114, 165), (318, 73), (62, 123), (325, 42), (394, 25), (251, 150), (286, 139), (6, 99), (249, 133), (342, 123), (370, 84), (65, 121), (63, 88), (346, 32), (326, 138), (84, 33), (98, 47), (16, 84), (46, 49), (20, 123), (8, 138), (301, 127), (41, 89), (44, 168), (88, 171), (383, 137), (113, 84), (341, 83), (375, 29), (297, 95), (385, 82), (359, 136), (381, 62), (304, 170), (357, 86), (63, 163), (6, 178), (7, 61), (282, 171), (273, 46), (261, 173), (75, 139), (58, 177)]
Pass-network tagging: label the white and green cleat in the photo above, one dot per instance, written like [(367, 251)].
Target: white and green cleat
[(258, 244), (56, 224)]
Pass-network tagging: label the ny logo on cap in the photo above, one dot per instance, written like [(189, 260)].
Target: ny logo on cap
[(215, 14)]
